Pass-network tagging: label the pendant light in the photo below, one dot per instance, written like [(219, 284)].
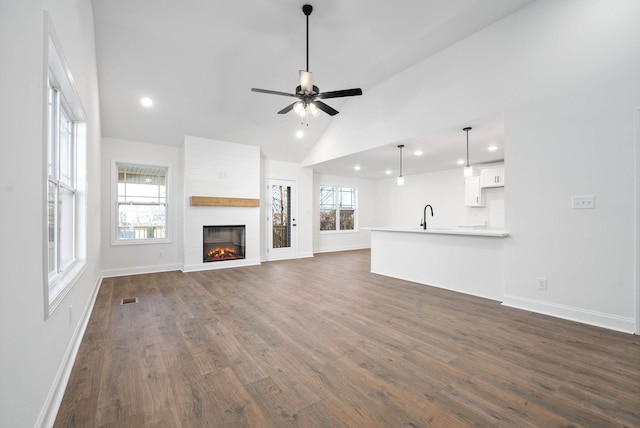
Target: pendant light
[(468, 171), (400, 180)]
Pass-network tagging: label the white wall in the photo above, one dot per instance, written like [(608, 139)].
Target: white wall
[(366, 213), (566, 74), (403, 206), (141, 258), (220, 169), (35, 354), (303, 177)]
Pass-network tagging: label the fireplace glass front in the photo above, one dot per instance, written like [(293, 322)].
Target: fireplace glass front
[(223, 243)]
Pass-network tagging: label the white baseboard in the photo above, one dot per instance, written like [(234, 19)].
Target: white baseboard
[(220, 265), (138, 270), (343, 248), (265, 258), (50, 409), (598, 319)]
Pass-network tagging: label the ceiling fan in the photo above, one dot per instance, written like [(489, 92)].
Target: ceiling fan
[(308, 94)]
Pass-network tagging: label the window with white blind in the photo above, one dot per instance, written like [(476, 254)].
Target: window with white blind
[(141, 203)]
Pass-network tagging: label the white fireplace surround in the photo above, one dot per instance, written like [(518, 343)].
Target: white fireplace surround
[(220, 169)]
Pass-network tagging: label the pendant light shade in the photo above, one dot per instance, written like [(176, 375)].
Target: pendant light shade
[(400, 180), (468, 170)]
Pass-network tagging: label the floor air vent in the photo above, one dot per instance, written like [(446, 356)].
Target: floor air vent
[(129, 300)]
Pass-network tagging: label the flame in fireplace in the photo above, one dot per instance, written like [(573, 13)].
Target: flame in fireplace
[(221, 254)]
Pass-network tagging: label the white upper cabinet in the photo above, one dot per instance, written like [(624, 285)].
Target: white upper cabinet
[(492, 177), (472, 192)]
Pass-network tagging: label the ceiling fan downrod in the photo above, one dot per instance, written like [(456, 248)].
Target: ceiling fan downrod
[(307, 9)]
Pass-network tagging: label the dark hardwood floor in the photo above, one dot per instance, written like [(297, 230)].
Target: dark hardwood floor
[(322, 342)]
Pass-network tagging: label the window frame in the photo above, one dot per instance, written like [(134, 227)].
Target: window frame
[(115, 220), (57, 78), (55, 178), (338, 208)]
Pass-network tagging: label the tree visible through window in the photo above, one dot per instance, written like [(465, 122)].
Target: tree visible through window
[(141, 202), (337, 208)]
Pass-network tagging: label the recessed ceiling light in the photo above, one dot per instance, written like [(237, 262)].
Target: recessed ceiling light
[(418, 153), (357, 167), (299, 134), (492, 148), (147, 102), (388, 172), (460, 162)]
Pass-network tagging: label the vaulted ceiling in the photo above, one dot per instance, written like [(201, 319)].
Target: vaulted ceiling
[(199, 59)]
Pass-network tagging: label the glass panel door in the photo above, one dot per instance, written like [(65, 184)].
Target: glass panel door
[(281, 215), (282, 220)]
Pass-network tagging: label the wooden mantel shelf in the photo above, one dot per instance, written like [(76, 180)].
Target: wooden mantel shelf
[(211, 201)]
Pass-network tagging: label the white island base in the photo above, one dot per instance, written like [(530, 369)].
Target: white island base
[(468, 261)]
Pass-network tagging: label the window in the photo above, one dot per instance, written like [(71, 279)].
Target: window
[(141, 203), (64, 184), (337, 208), (61, 186)]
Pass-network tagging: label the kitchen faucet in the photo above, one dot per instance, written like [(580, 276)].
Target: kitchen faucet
[(423, 223)]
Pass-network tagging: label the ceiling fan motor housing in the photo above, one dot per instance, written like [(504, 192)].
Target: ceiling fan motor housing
[(314, 91)]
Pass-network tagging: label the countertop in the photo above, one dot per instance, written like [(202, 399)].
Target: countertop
[(457, 231)]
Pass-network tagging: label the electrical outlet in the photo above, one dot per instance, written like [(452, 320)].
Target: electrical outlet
[(541, 283), (583, 202), (160, 254)]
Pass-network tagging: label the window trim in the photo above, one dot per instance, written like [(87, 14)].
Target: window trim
[(355, 211), (114, 203), (57, 74)]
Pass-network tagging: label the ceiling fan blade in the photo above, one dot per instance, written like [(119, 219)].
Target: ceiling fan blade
[(325, 108), (287, 109), (306, 81), (342, 93), (267, 91)]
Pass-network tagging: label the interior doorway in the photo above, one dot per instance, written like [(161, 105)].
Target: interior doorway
[(283, 236)]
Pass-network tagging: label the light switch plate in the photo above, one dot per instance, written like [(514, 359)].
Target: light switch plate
[(583, 202)]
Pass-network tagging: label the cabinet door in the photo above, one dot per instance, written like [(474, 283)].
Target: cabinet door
[(472, 192), (492, 177)]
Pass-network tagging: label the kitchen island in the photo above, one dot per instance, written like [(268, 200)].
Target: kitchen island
[(466, 260)]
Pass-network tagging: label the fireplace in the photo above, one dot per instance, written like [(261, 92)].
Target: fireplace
[(221, 243)]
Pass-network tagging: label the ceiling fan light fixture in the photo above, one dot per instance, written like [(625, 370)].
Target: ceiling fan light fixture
[(313, 109), (299, 108)]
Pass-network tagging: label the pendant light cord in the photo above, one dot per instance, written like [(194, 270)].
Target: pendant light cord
[(467, 129), (467, 147)]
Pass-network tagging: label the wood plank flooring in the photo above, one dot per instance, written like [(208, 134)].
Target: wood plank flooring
[(322, 342)]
